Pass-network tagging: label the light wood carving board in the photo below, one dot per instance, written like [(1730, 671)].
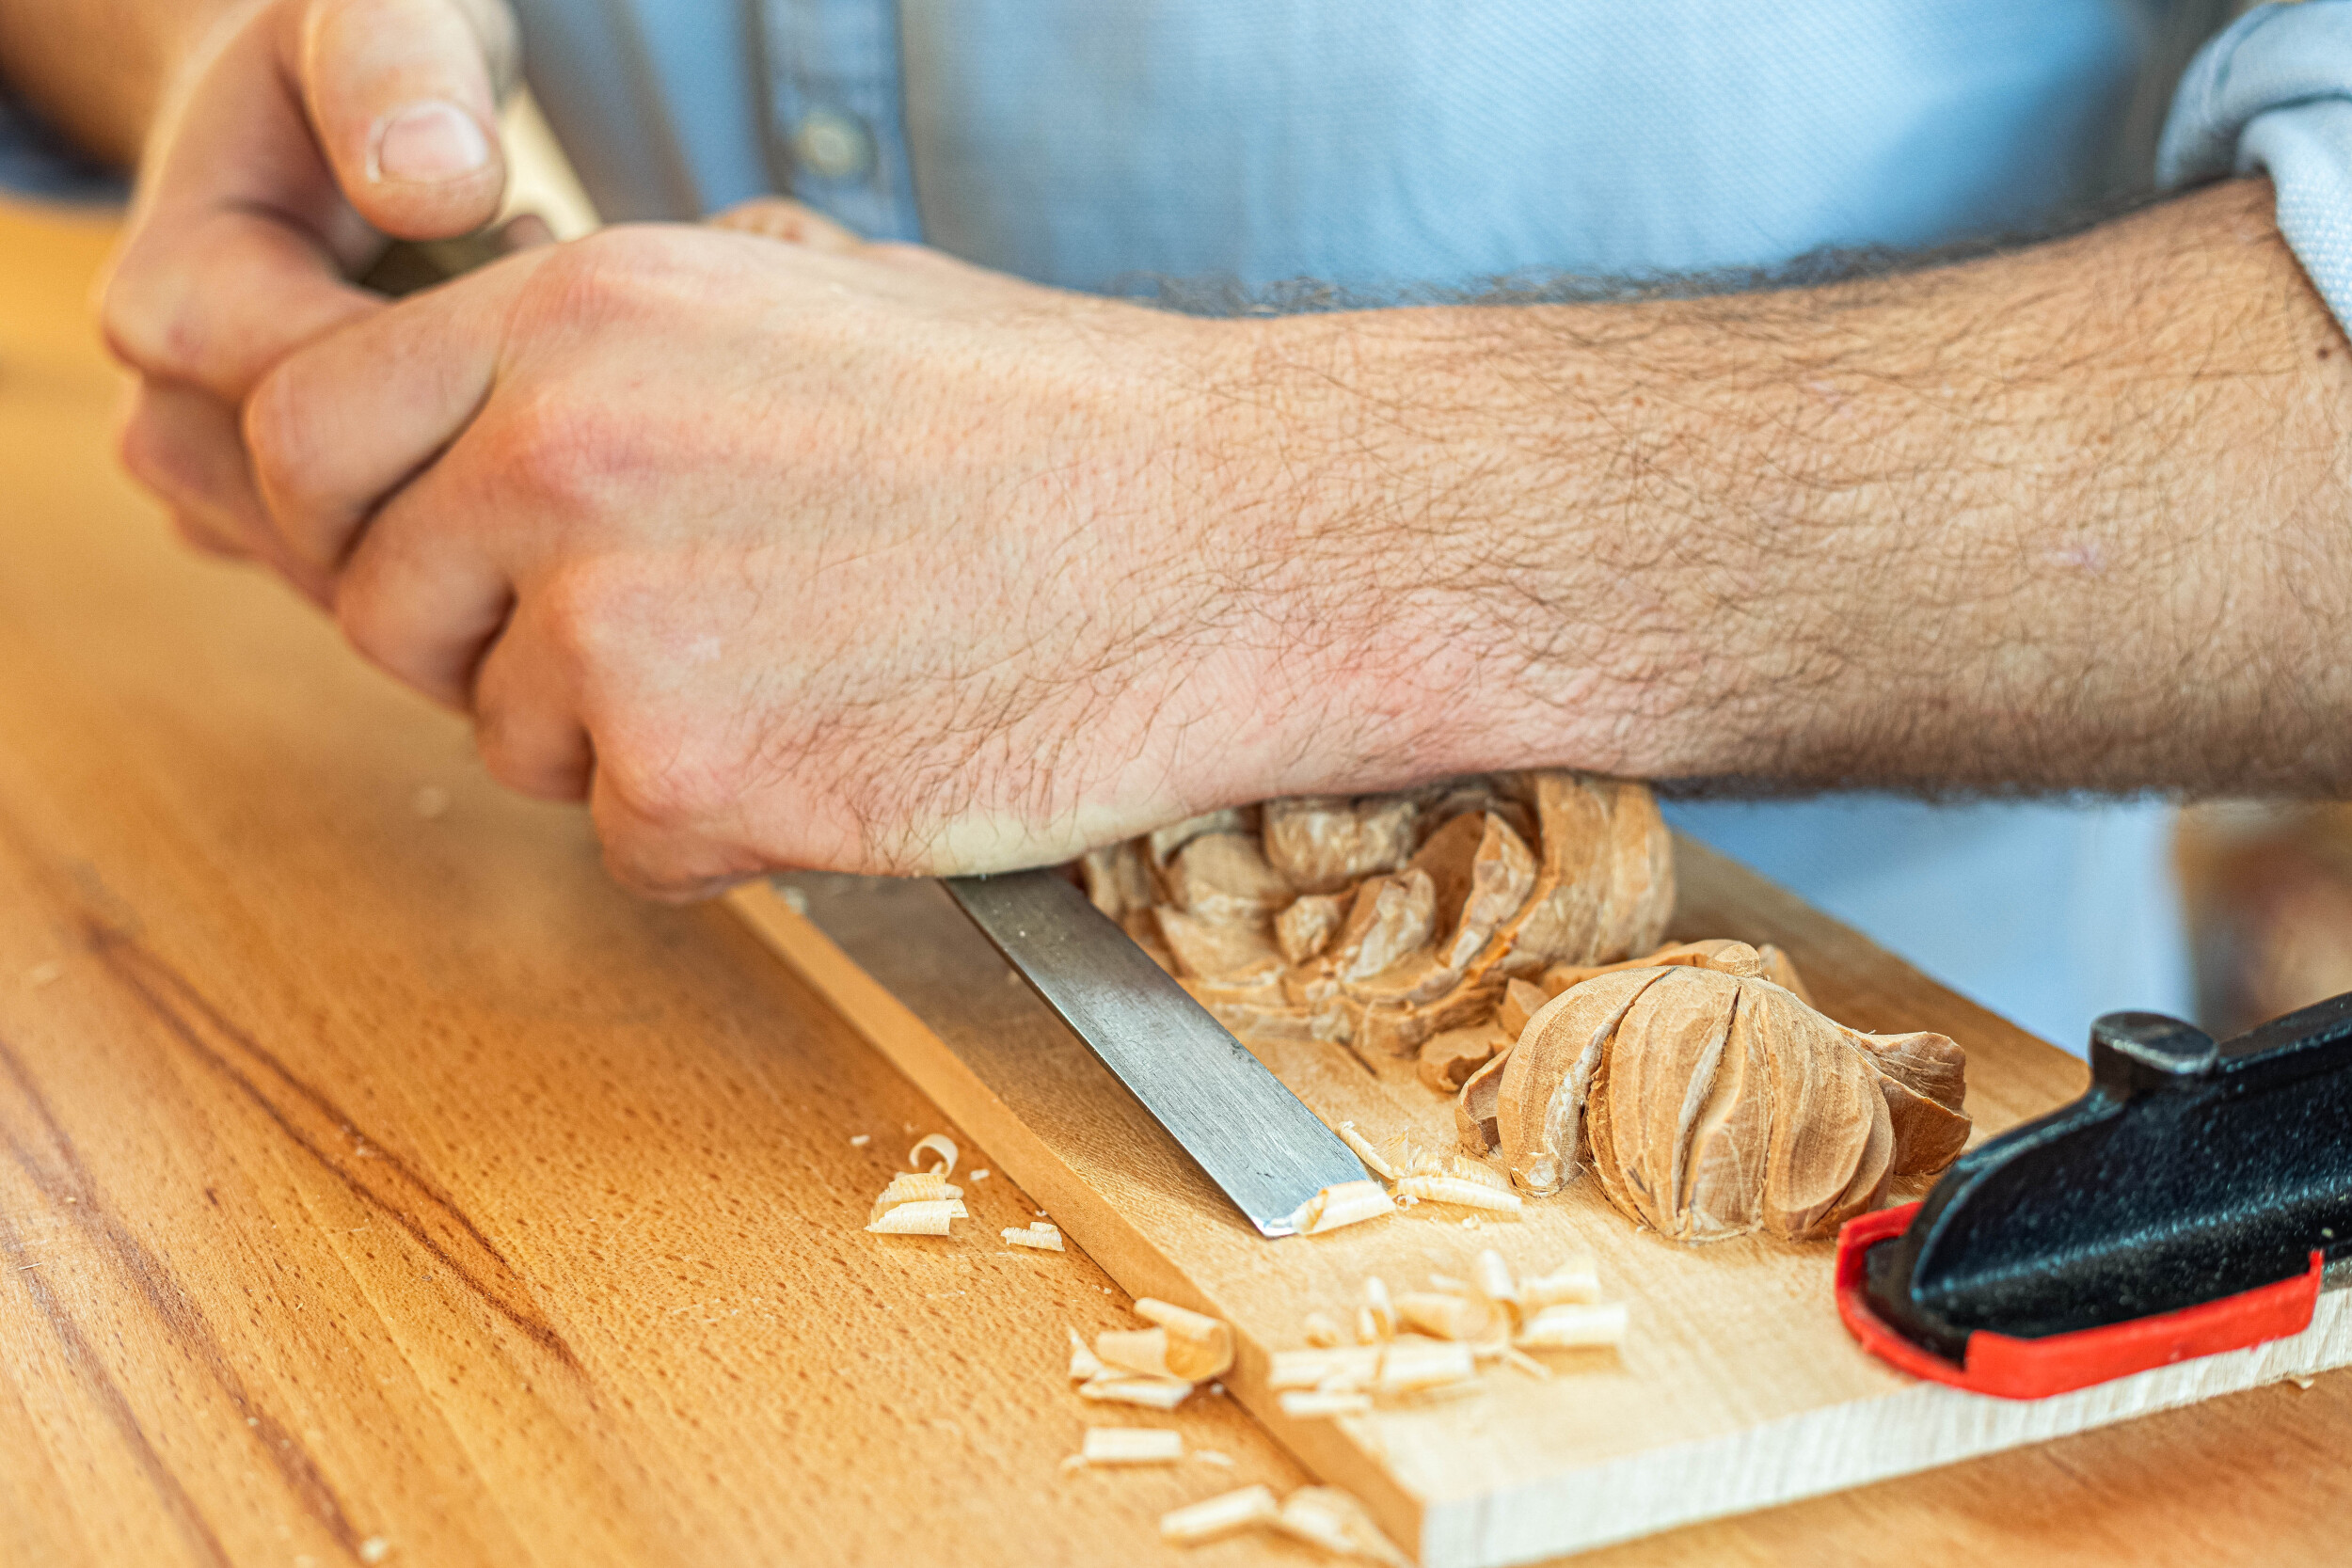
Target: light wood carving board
[(1736, 1387)]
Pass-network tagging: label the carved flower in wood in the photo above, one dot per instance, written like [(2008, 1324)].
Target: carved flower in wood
[(1389, 921), (1711, 1102)]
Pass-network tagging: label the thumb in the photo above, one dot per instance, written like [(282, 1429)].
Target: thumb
[(403, 95)]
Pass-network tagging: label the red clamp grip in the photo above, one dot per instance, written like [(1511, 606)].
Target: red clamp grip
[(2014, 1369)]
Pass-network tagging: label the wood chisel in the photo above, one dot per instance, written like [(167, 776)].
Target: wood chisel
[(1251, 1135), (2191, 1202)]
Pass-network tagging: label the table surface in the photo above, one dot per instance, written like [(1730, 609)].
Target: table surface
[(382, 1185)]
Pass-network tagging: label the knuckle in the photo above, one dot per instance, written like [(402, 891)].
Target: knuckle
[(560, 454), (276, 438)]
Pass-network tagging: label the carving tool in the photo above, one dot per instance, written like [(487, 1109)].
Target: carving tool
[(2189, 1203), (1251, 1135)]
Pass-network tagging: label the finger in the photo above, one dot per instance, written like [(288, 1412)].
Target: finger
[(525, 716), (404, 97), (340, 425), (420, 597), (237, 244), (524, 231), (660, 861), (182, 443), (779, 219)]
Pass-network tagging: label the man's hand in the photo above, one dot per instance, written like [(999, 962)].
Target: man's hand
[(297, 138), (820, 553), (856, 557)]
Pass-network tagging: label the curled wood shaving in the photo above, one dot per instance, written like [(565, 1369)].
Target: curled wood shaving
[(1574, 1326), (1151, 1393), (1374, 1160), (1135, 1350), (1443, 1315), (913, 1187), (1220, 1516), (1322, 1330), (1327, 1517), (1084, 1363), (1310, 1404), (1459, 1191), (1575, 1280), (1044, 1238), (1131, 1446), (1493, 1279), (1344, 1203), (1375, 1320), (1406, 1365), (1337, 1366), (934, 1143), (920, 1218), (1199, 1346)]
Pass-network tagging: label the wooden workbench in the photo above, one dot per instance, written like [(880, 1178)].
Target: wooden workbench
[(381, 1185)]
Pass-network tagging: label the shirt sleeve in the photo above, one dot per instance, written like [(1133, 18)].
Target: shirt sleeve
[(2273, 93), (36, 161)]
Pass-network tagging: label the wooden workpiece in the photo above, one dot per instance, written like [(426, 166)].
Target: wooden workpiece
[(381, 1184)]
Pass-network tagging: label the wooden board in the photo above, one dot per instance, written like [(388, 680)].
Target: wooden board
[(1737, 1389)]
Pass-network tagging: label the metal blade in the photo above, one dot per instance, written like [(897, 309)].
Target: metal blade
[(1252, 1136)]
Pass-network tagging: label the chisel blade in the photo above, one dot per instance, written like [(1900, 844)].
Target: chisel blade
[(1250, 1134)]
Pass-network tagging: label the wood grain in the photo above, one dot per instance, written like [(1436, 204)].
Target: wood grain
[(518, 1219)]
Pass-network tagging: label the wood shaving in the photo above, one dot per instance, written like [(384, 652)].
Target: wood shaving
[(919, 1219), (1131, 1446), (1327, 1517), (913, 1187), (1407, 1365), (1526, 1363), (1322, 1330), (1220, 1516), (1374, 1160), (1575, 1326), (1313, 1403), (983, 1174), (1343, 1204), (1199, 1346), (1458, 1191), (934, 1143), (1337, 1366), (1084, 1363), (861, 1140), (1492, 1276), (1043, 1238), (1375, 1320), (1458, 1166), (1151, 1393), (1214, 1456), (1575, 1280), (1443, 1315), (1135, 1350)]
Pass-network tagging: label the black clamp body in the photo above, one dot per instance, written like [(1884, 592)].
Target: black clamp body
[(2190, 1171)]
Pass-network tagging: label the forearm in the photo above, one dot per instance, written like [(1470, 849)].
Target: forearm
[(2071, 517), (97, 69)]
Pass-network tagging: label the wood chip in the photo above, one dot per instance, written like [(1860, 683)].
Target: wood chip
[(1574, 1326), (1044, 1238), (1459, 1191), (919, 1219), (1346, 1203), (1406, 1365), (1220, 1516), (1310, 1404), (934, 1143), (1136, 1350), (1374, 1160), (1443, 1315), (1375, 1320), (1344, 1365), (1575, 1280), (1131, 1446), (1222, 1460), (1327, 1517), (1151, 1393), (861, 1139), (1199, 1346), (1084, 1363), (1322, 1329)]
